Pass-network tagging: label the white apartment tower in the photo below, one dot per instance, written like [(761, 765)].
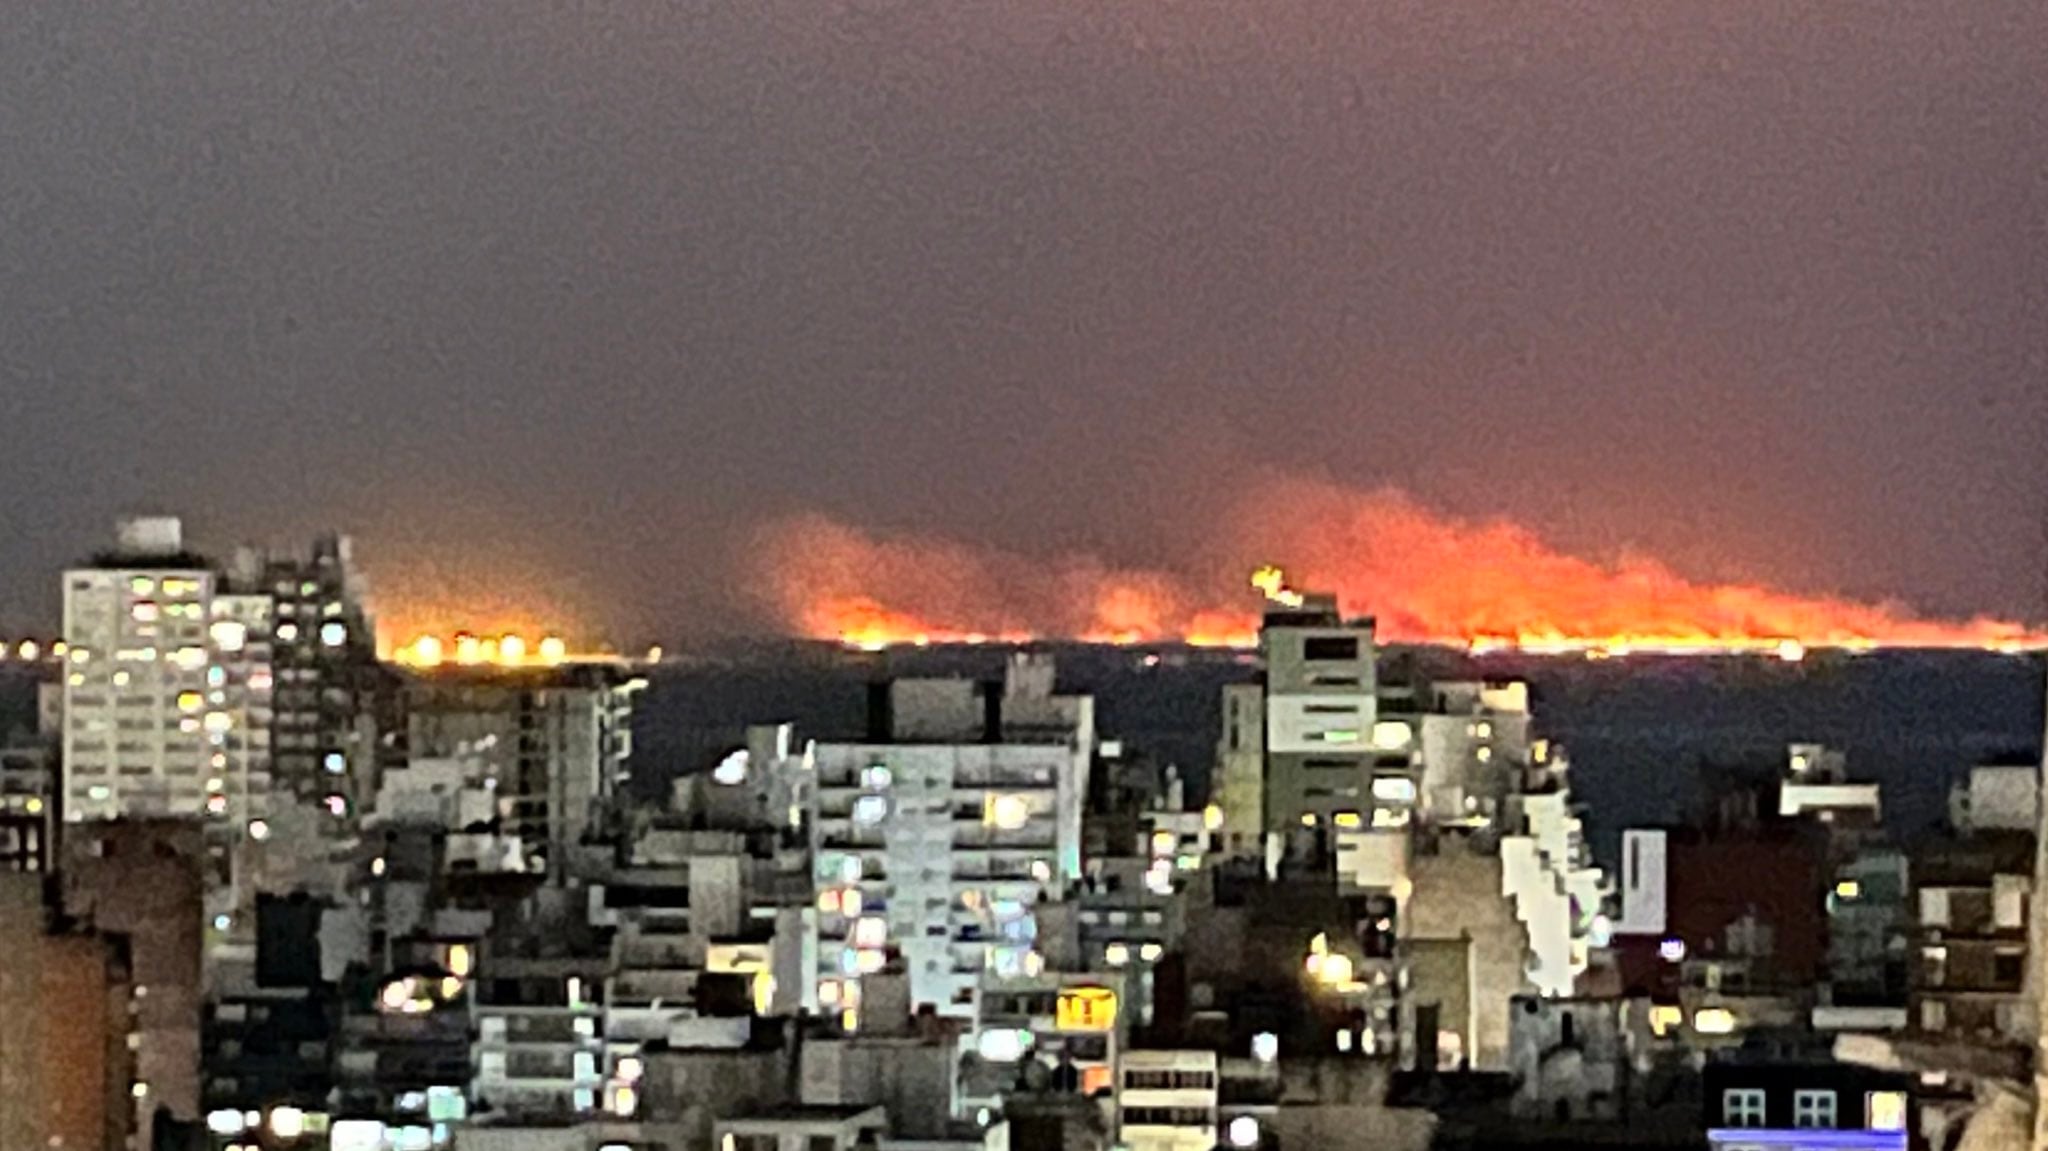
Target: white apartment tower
[(166, 689), (934, 842)]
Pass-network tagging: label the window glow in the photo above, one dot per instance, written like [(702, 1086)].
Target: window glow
[(1006, 812), (1265, 1047), (1713, 1021), (333, 633), (1393, 789), (1391, 735), (1886, 1111), (1244, 1130)]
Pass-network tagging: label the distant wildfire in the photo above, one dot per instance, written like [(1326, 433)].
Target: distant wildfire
[(1428, 577)]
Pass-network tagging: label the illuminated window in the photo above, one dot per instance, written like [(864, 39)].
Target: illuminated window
[(1391, 735), (1742, 1107), (1885, 1111), (287, 631), (144, 611), (1483, 755), (869, 810), (876, 776), (229, 635), (142, 585), (189, 701), (1348, 820), (333, 633), (871, 931), (1813, 1109), (1713, 1021), (1006, 812), (1393, 789)]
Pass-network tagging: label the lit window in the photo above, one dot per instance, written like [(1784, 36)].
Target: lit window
[(1006, 812), (144, 611), (1713, 1021), (216, 677), (1340, 735), (190, 658), (828, 901), (871, 931), (334, 633), (1348, 820), (229, 635), (335, 763), (1393, 789), (1391, 735), (287, 631), (189, 701), (1483, 755), (869, 810), (1265, 1047), (1116, 954), (1885, 1111), (876, 776), (1742, 1107), (142, 585), (1813, 1109), (259, 830)]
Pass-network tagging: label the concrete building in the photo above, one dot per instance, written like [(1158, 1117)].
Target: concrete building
[(553, 743), (802, 1128), (330, 693), (1969, 933), (144, 880), (1464, 954), (64, 1001), (167, 689), (1320, 707), (1997, 797), (933, 844), (1169, 1100), (1570, 1058)]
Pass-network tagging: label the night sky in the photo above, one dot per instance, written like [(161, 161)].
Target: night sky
[(555, 307)]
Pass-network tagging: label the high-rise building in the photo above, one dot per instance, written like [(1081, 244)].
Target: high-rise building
[(166, 691), (552, 745), (1320, 708), (934, 841), (331, 695)]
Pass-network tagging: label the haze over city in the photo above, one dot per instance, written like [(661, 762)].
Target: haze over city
[(555, 310)]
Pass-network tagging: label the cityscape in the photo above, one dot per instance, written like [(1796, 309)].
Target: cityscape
[(268, 888), (1035, 575)]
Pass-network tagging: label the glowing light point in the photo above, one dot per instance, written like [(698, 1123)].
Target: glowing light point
[(469, 650), (553, 650), (1272, 583), (512, 649), (424, 652)]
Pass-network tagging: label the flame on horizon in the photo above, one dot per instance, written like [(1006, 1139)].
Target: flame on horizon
[(1426, 576)]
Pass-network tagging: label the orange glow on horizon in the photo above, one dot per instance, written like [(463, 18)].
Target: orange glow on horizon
[(1426, 577)]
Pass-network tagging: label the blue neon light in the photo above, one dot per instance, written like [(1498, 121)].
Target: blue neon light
[(1806, 1139)]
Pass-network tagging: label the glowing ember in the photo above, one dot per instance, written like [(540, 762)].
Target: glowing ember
[(1429, 578)]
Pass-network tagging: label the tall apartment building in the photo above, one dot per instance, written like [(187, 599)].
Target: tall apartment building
[(553, 744), (933, 842), (329, 688), (1320, 710), (167, 689)]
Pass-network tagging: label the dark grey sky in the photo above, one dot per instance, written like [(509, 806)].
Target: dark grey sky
[(1758, 288)]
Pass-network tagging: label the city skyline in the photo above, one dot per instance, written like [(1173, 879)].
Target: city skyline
[(553, 311)]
